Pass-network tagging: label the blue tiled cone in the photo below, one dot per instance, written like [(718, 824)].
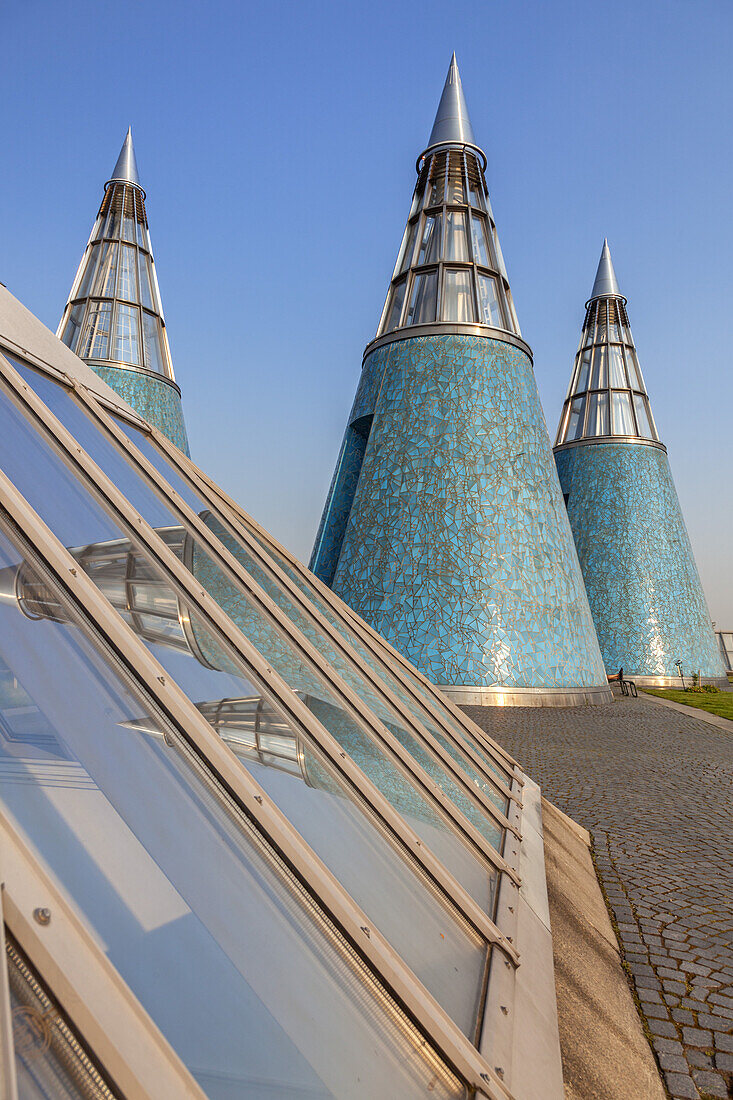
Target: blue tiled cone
[(640, 574), (447, 530)]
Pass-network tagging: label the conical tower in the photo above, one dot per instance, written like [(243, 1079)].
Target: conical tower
[(640, 573), (114, 316), (444, 525)]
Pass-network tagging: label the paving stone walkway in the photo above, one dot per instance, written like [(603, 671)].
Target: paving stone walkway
[(655, 788)]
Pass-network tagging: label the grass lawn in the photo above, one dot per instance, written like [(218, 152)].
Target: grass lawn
[(721, 703)]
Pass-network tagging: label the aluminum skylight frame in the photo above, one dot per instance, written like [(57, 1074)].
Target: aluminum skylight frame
[(385, 963), (98, 1003)]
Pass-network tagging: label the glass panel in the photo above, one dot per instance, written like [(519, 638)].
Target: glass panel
[(406, 249), (142, 235), (126, 342), (575, 419), (151, 338), (642, 418), (424, 299), (475, 192), (599, 368), (51, 1063), (164, 867), (623, 420), (632, 365), (208, 674), (104, 283), (598, 414), (498, 252), (616, 366), (584, 371), (127, 286), (395, 309), (456, 241), (72, 326), (95, 344), (430, 243), (88, 271), (435, 190), (480, 244), (454, 187), (146, 290), (601, 327), (112, 229), (128, 221), (144, 443), (458, 297), (488, 300)]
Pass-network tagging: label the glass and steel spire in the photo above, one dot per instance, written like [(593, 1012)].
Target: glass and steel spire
[(607, 397), (114, 312), (450, 266)]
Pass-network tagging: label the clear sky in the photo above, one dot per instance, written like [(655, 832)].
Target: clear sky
[(277, 144)]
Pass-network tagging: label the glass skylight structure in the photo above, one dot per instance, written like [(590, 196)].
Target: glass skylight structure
[(640, 574), (114, 315), (247, 849)]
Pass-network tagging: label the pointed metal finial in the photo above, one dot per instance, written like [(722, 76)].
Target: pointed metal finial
[(452, 123), (605, 284), (126, 167)]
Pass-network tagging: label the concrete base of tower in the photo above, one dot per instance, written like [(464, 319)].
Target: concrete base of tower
[(674, 681), (499, 696)]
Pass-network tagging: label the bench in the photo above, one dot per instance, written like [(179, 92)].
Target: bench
[(628, 687)]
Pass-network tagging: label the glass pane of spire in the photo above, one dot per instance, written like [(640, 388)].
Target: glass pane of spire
[(489, 307), (395, 308), (126, 342), (598, 414), (599, 368), (584, 371), (642, 418), (146, 290), (616, 366), (106, 276), (151, 339), (430, 242), (575, 419), (458, 297), (478, 238), (95, 344), (424, 299), (623, 420), (127, 285), (72, 326), (91, 264), (456, 240), (406, 249)]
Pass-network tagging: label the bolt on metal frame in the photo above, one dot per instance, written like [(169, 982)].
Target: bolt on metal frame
[(98, 1004), (244, 653), (176, 573), (128, 654)]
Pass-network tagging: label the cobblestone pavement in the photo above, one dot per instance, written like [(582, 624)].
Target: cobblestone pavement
[(655, 788)]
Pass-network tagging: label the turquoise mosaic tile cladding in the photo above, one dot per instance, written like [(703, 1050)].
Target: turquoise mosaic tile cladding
[(155, 399), (457, 546), (640, 573)]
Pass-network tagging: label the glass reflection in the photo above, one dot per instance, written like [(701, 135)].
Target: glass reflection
[(456, 240), (489, 306), (424, 299), (430, 242), (458, 297)]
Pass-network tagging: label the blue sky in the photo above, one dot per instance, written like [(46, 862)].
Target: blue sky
[(277, 144)]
